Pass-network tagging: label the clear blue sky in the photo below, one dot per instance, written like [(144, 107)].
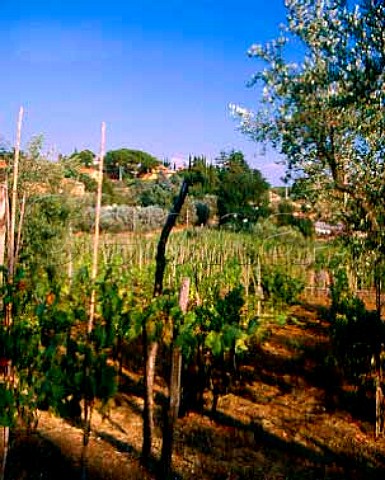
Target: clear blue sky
[(161, 74)]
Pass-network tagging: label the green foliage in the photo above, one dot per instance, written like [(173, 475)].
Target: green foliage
[(57, 366), (46, 224), (84, 157), (121, 218), (220, 323), (242, 191), (305, 226), (131, 163), (203, 213), (285, 217), (357, 335), (157, 193), (89, 183), (281, 288), (204, 177), (325, 114), (7, 406)]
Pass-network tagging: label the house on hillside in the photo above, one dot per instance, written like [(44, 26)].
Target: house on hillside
[(72, 187), (91, 172), (158, 172), (325, 229)]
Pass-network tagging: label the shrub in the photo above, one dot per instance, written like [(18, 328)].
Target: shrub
[(357, 335), (280, 287), (203, 213), (120, 218)]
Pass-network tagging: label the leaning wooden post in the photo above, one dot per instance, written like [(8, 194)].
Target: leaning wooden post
[(150, 346), (172, 409)]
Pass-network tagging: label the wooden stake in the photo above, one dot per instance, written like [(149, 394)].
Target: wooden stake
[(94, 270), (88, 403), (11, 247), (11, 266), (172, 410), (3, 220), (20, 228)]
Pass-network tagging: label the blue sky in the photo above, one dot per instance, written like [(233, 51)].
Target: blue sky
[(161, 74)]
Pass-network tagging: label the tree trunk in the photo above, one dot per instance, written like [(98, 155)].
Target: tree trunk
[(172, 409)]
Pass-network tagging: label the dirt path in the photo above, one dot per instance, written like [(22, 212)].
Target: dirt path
[(284, 421)]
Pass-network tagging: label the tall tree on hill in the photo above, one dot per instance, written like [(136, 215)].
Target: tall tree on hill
[(127, 163), (205, 176), (84, 157), (242, 191)]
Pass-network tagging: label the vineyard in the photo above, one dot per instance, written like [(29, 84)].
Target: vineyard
[(157, 339), (242, 289), (179, 323)]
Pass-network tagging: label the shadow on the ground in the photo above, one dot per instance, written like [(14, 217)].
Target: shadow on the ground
[(291, 458), (125, 447), (33, 457), (311, 363)]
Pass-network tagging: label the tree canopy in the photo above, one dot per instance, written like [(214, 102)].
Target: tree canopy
[(326, 113), (84, 157), (241, 190), (131, 162)]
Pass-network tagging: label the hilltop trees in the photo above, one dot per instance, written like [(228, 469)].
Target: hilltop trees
[(84, 157), (241, 190), (127, 163)]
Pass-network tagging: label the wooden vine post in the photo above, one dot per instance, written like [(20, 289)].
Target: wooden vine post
[(377, 363), (3, 220), (150, 345), (94, 270), (3, 360), (88, 400), (11, 223), (172, 409)]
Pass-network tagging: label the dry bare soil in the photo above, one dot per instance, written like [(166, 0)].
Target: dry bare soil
[(287, 419)]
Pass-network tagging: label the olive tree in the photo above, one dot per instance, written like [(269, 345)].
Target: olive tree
[(325, 113)]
